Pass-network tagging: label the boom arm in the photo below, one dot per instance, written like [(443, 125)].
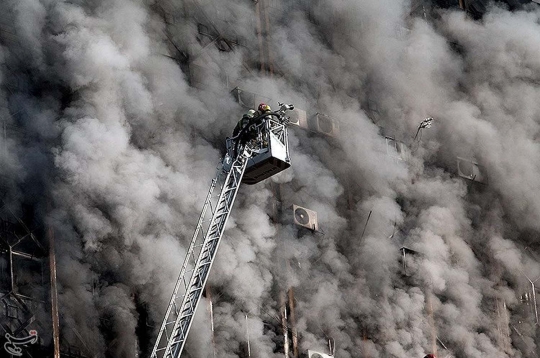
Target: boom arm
[(204, 244), (194, 274)]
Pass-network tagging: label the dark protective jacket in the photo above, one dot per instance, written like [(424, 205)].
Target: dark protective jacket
[(244, 122)]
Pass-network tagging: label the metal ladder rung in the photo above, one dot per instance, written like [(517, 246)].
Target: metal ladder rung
[(201, 255)]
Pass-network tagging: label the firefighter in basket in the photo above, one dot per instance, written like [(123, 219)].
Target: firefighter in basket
[(247, 128)]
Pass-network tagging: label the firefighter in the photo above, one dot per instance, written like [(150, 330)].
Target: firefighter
[(243, 131), (263, 108), (246, 129), (244, 122), (249, 121), (256, 121)]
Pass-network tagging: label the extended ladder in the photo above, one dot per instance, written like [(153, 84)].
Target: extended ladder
[(200, 256)]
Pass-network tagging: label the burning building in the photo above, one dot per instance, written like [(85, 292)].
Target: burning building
[(402, 241)]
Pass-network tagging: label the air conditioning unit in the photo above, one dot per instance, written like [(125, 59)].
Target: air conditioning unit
[(326, 125), (249, 100), (471, 170), (313, 354), (396, 149), (405, 252), (298, 117), (305, 218), (246, 99)]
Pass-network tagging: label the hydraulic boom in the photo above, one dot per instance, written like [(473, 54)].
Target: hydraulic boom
[(211, 225)]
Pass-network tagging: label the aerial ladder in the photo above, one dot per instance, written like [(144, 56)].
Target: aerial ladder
[(249, 161)]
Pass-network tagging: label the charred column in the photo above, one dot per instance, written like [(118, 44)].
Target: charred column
[(54, 295)]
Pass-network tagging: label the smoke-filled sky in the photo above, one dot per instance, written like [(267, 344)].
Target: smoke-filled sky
[(104, 135)]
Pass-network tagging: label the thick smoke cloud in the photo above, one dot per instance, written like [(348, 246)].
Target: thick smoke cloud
[(102, 132)]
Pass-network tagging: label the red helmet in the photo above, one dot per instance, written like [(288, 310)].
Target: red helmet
[(430, 356), (263, 107)]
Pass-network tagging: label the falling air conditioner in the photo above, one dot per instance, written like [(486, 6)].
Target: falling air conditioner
[(326, 125), (313, 354), (298, 117), (471, 170), (305, 218)]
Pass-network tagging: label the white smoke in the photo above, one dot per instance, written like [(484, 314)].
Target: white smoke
[(110, 129)]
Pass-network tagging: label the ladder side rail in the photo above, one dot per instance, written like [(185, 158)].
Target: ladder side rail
[(206, 258), (286, 141), (198, 279), (181, 277)]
